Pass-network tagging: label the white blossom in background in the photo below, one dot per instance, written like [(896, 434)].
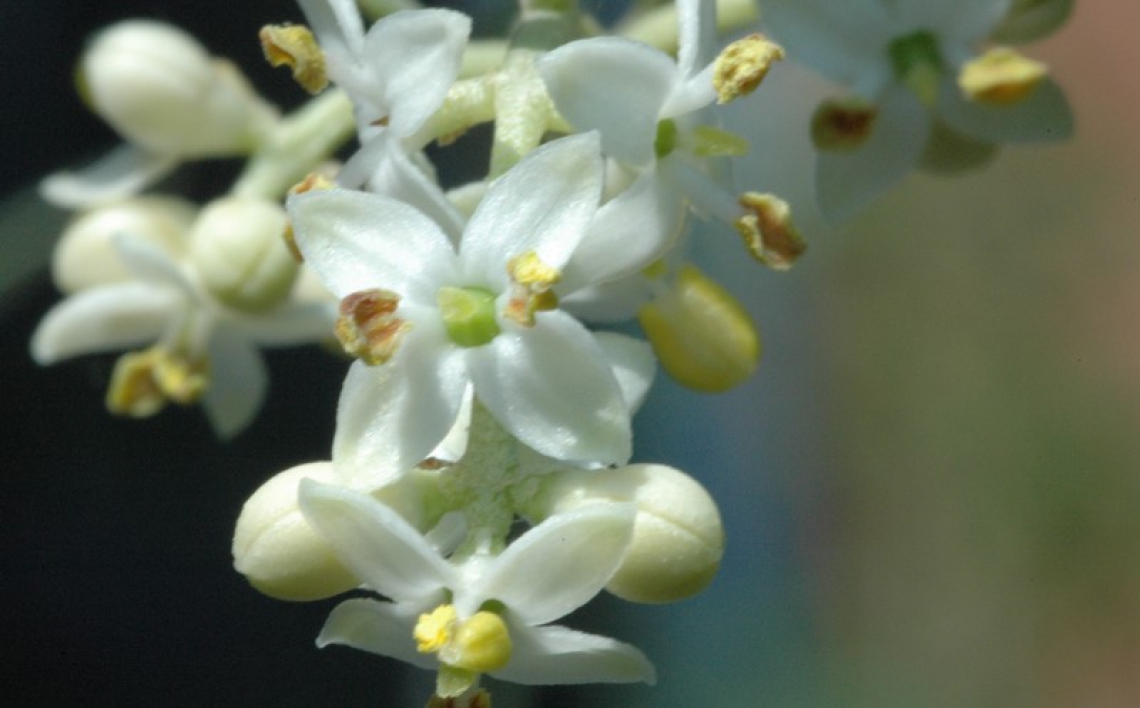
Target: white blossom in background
[(903, 62)]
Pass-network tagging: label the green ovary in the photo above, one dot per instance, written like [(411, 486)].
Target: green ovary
[(468, 315)]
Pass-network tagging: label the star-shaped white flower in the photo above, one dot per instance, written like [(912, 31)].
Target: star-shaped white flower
[(431, 319), (485, 614), (868, 45), (194, 337)]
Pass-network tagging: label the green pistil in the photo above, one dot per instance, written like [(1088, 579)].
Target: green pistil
[(468, 315), (666, 140), (918, 64)]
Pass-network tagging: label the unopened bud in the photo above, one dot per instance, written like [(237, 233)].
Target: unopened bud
[(86, 255), (678, 539), (238, 249), (740, 68), (703, 337), (161, 90), (277, 550)]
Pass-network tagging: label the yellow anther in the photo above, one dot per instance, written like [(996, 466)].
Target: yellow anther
[(433, 631), (768, 231), (531, 283), (1001, 76), (312, 181), (481, 643), (740, 68), (703, 337), (842, 125), (143, 382), (295, 47), (368, 327)]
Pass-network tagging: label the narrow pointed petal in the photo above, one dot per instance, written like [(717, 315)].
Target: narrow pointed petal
[(427, 46), (357, 241), (109, 318), (1045, 116), (696, 29), (557, 655), (375, 543), (149, 261), (292, 323), (124, 171), (615, 86), (543, 204), (551, 388), (645, 219), (337, 25), (848, 181), (559, 565), (392, 415), (377, 627), (633, 364), (238, 384)]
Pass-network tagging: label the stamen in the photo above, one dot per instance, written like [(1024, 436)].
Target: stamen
[(842, 125), (295, 47), (531, 280), (768, 230), (740, 68), (368, 327), (143, 382), (1001, 77)]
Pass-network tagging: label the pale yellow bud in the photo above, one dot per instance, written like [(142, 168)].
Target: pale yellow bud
[(161, 90), (678, 539), (86, 255), (703, 337), (238, 249)]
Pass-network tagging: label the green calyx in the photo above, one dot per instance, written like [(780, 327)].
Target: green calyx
[(918, 63), (468, 315)]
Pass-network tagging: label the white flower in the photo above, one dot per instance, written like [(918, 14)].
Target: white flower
[(484, 614), (432, 319), (201, 348), (904, 58)]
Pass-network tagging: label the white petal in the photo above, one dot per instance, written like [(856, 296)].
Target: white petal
[(150, 261), (1045, 116), (543, 204), (848, 181), (557, 655), (356, 241), (292, 323), (696, 29), (337, 26), (628, 233), (378, 627), (615, 86), (843, 41), (124, 171), (375, 543), (109, 318), (557, 566), (633, 364), (550, 387), (392, 415), (418, 53), (616, 301), (238, 384)]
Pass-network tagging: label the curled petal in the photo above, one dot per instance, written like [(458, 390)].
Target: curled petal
[(633, 365), (378, 627), (376, 543), (557, 655), (104, 319), (124, 171), (550, 387)]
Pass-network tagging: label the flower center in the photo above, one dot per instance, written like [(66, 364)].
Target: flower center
[(143, 382), (468, 315), (466, 648), (918, 64)]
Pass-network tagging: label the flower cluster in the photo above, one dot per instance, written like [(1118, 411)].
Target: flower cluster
[(483, 394)]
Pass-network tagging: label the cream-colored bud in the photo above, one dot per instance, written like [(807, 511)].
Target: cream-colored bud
[(86, 255), (678, 539), (277, 550), (161, 90), (238, 249)]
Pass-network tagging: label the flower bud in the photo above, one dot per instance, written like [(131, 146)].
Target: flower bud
[(86, 255), (239, 251), (677, 540), (161, 90)]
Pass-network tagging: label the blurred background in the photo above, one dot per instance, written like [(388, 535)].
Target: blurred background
[(931, 488)]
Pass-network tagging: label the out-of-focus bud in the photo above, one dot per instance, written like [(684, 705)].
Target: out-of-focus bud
[(238, 248), (1029, 20), (161, 90), (86, 255), (277, 550), (700, 333), (677, 541)]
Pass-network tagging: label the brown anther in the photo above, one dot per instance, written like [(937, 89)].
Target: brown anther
[(368, 327), (295, 47), (768, 231), (531, 283), (312, 181), (381, 122), (743, 64), (842, 125)]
